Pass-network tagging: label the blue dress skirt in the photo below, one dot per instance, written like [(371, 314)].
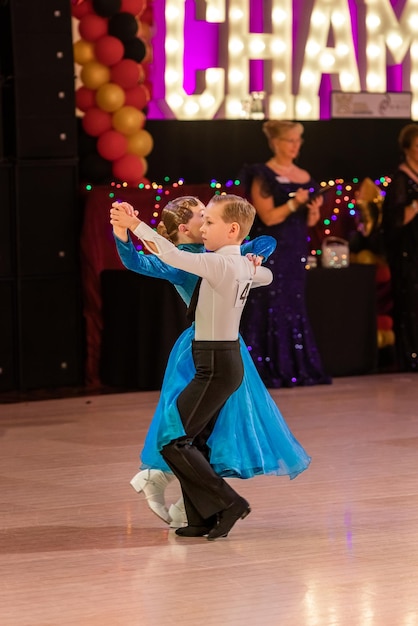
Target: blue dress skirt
[(250, 435)]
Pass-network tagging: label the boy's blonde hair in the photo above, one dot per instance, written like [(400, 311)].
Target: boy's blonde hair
[(236, 209)]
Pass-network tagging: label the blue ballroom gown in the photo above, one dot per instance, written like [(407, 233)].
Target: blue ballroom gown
[(250, 436)]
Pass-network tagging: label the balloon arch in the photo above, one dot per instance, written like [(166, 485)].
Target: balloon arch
[(114, 53)]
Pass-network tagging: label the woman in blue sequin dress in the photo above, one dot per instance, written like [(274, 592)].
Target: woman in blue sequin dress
[(275, 324), (250, 436)]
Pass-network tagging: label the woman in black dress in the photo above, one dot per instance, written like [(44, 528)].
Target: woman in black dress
[(400, 229), (275, 323)]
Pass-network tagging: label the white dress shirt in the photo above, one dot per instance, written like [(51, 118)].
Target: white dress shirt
[(226, 278)]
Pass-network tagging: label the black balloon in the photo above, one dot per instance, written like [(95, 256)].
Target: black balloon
[(106, 8), (134, 49), (123, 26)]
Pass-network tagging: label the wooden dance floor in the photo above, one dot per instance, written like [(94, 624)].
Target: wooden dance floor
[(337, 546)]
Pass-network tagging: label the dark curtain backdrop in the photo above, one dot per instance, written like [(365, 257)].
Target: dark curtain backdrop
[(200, 151)]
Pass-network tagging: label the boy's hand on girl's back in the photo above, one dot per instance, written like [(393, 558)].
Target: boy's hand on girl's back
[(255, 259)]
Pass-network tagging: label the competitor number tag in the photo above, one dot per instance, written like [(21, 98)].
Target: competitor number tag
[(243, 290)]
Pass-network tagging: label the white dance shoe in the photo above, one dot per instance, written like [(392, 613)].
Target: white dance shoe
[(178, 515), (153, 483)]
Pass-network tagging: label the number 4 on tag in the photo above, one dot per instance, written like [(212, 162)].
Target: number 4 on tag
[(244, 287)]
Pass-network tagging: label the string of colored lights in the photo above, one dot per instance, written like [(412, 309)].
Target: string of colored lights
[(340, 215)]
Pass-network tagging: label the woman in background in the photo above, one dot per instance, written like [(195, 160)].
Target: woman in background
[(400, 231), (275, 323)]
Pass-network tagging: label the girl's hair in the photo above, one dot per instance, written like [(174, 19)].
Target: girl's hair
[(407, 136), (176, 212), (273, 129), (236, 209)]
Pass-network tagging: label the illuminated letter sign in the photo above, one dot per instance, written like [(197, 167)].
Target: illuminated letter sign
[(203, 106), (329, 49)]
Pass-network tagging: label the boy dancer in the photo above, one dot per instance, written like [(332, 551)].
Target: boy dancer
[(212, 506)]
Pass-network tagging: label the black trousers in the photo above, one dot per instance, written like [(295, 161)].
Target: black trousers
[(219, 372)]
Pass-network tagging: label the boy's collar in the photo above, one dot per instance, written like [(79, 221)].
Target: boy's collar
[(229, 249)]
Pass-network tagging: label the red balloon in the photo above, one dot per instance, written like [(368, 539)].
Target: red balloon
[(384, 322), (81, 9), (148, 54), (382, 274), (147, 16), (91, 27), (95, 121), (136, 7), (109, 50), (112, 145), (137, 97), (142, 74), (148, 89), (130, 169), (85, 98), (125, 73)]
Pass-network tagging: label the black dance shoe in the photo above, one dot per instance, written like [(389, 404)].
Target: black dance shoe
[(228, 517), (193, 531)]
